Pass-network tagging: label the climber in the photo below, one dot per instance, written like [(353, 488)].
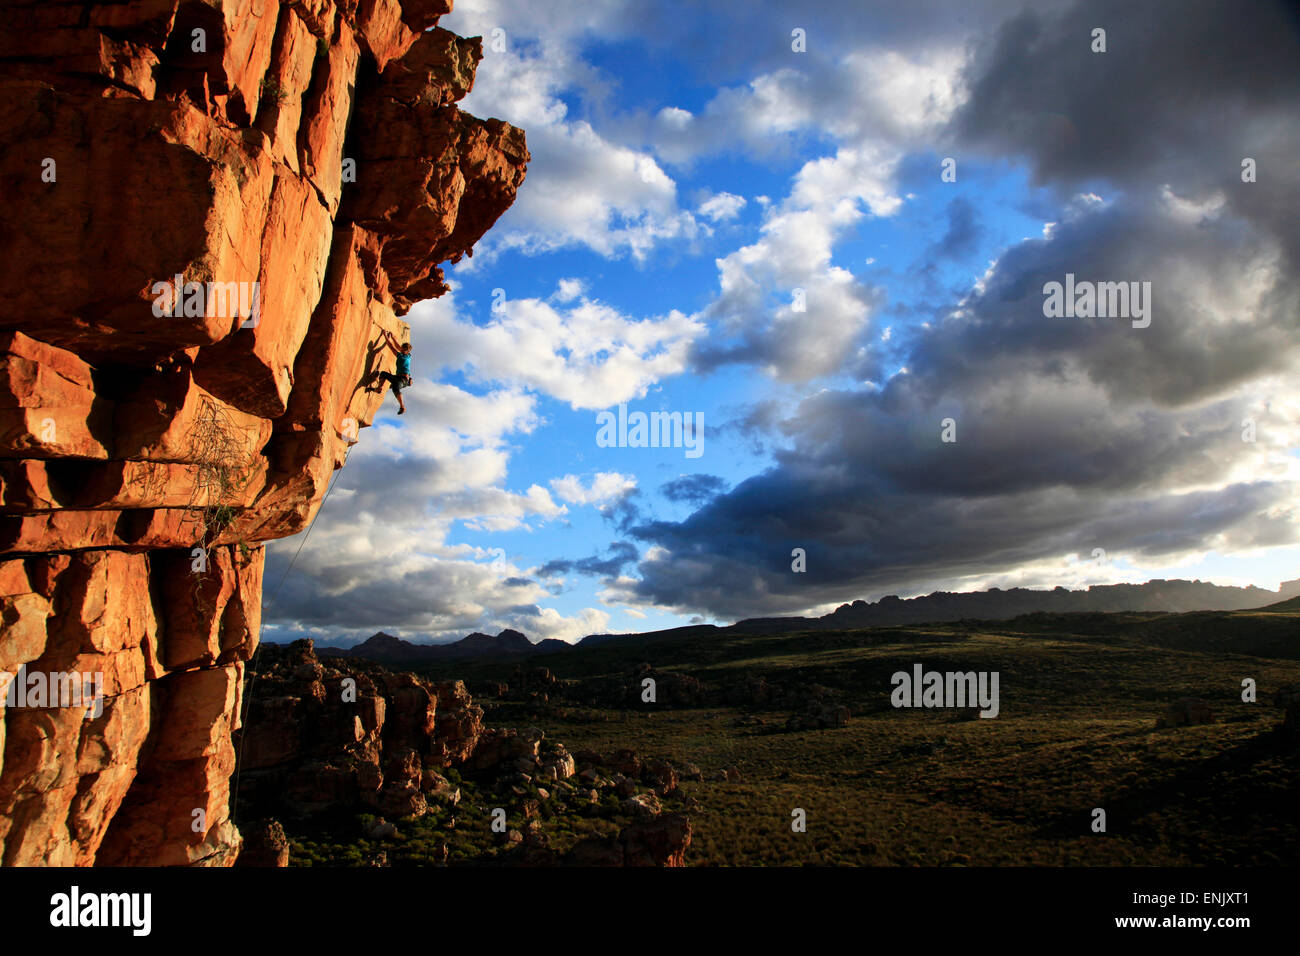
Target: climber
[(402, 377)]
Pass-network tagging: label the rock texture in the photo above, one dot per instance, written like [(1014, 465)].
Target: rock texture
[(331, 738), (212, 209), (334, 734)]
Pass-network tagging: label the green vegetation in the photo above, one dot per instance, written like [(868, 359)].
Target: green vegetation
[(272, 90), (1080, 696), (464, 830)]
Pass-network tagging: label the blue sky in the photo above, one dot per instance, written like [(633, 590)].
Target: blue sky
[(691, 172)]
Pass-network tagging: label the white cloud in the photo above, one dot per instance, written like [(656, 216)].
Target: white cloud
[(800, 340), (569, 289), (582, 188), (877, 105), (548, 622), (587, 354), (870, 96), (721, 207), (605, 487)]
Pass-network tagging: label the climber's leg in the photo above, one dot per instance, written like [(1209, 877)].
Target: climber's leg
[(396, 382)]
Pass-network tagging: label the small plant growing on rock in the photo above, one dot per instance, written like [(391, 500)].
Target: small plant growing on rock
[(221, 473), (273, 91)]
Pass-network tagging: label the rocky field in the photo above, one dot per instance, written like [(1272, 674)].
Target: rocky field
[(786, 750)]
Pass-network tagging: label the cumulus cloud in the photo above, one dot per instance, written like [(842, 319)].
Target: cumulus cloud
[(825, 308), (566, 290), (722, 207), (583, 188), (584, 353), (605, 487), (866, 97), (783, 304), (380, 555), (1071, 434)]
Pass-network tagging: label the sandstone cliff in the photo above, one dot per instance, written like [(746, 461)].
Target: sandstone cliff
[(159, 159)]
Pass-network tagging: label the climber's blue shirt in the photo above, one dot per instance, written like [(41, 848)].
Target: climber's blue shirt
[(403, 364)]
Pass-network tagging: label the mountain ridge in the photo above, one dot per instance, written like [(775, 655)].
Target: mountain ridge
[(993, 604), (383, 647), (1158, 595)]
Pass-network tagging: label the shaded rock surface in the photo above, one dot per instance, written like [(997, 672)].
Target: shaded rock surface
[(657, 841), (350, 735), (212, 210), (265, 844)]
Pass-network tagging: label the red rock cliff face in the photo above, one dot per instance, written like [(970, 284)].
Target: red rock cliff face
[(307, 152)]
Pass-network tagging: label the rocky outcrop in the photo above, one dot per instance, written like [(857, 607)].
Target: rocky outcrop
[(336, 734), (213, 208), (658, 842), (265, 845), (341, 749), (650, 841)]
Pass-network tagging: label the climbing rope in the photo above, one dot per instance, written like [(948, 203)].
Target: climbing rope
[(292, 560)]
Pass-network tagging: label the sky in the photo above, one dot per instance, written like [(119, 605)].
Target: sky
[(824, 232)]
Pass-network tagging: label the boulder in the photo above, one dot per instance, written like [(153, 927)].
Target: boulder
[(661, 841), (265, 844), (642, 805)]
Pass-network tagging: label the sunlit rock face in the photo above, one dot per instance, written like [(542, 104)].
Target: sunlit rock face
[(212, 209)]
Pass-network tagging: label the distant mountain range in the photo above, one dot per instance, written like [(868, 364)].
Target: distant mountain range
[(384, 648), (1172, 597), (942, 606), (996, 604)]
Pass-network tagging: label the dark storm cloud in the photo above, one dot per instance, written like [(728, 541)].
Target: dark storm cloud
[(694, 489), (1071, 434), (428, 600), (625, 511), (764, 341), (1182, 95), (858, 545), (621, 553)]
